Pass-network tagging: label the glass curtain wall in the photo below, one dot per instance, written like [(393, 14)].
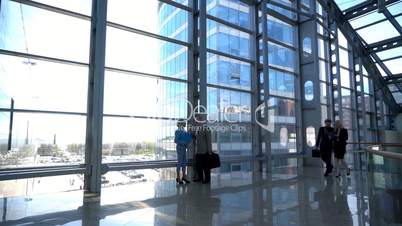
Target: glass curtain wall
[(282, 102), (229, 72), (145, 79), (43, 83)]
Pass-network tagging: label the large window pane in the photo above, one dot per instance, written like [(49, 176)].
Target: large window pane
[(323, 67), (79, 6), (281, 111), (45, 139), (226, 71), (36, 31), (281, 10), (227, 105), (151, 16), (283, 139), (281, 57), (134, 139), (281, 84), (228, 40), (42, 85), (343, 57), (280, 30), (4, 132), (233, 11), (161, 57), (143, 96), (367, 33), (346, 98), (345, 78), (231, 142)]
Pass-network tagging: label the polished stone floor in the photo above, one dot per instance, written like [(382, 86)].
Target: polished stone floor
[(285, 197)]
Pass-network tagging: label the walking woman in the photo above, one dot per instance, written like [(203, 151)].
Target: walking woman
[(341, 137)]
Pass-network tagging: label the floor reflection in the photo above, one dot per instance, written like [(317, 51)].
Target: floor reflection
[(301, 197)]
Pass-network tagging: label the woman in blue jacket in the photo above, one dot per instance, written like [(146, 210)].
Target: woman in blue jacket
[(182, 138)]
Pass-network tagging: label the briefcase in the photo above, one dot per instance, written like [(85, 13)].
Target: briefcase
[(213, 160), (315, 153)]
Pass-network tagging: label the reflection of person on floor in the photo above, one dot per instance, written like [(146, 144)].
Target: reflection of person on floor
[(341, 137), (182, 139), (334, 205), (197, 207)]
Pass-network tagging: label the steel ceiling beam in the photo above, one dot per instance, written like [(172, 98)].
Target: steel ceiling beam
[(392, 19), (364, 8), (351, 35), (385, 44)]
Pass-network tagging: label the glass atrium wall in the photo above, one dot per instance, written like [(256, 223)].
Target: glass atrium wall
[(235, 57)]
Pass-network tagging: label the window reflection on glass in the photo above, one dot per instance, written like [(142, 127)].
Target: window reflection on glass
[(161, 58), (232, 143), (228, 40), (307, 47), (232, 11), (310, 136), (283, 139), (281, 84), (281, 10), (44, 185), (226, 71), (23, 26), (308, 90), (151, 16), (282, 111), (227, 105), (281, 57), (280, 30)]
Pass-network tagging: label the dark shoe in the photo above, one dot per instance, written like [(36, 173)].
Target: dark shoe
[(348, 172), (338, 175), (179, 181), (197, 180), (185, 180)]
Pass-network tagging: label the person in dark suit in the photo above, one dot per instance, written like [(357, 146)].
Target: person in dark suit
[(341, 137), (324, 144), (203, 147)]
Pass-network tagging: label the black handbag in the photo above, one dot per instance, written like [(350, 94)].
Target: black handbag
[(214, 160), (315, 153)]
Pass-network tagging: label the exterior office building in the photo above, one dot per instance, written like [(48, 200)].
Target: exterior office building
[(222, 71)]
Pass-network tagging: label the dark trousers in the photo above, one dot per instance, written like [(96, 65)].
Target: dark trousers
[(326, 156), (203, 171)]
